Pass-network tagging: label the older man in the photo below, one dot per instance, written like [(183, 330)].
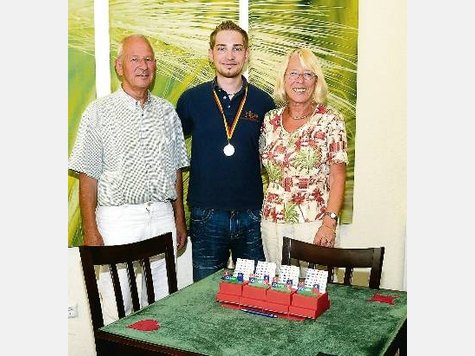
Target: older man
[(129, 152)]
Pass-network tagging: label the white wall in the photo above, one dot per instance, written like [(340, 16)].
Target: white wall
[(379, 216), (80, 337)]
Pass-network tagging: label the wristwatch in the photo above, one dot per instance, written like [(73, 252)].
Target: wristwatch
[(332, 215)]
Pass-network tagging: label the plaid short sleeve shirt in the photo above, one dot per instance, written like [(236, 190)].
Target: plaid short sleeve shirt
[(132, 151), (298, 164)]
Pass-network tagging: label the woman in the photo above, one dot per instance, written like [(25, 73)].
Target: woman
[(303, 149)]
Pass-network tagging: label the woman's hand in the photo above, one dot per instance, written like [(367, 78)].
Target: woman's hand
[(325, 236)]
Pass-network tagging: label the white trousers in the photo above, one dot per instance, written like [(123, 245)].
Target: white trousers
[(273, 239), (131, 223)]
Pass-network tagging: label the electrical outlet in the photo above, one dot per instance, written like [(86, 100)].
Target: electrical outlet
[(73, 311)]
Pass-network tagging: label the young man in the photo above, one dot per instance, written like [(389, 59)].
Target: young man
[(129, 152), (224, 118)]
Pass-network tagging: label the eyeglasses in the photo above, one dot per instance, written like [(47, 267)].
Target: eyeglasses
[(294, 75)]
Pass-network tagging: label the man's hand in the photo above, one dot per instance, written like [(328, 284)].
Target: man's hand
[(93, 239), (181, 235)]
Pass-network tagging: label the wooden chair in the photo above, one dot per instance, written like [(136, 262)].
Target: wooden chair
[(332, 257), (141, 252)]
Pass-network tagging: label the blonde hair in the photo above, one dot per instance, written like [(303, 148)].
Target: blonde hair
[(228, 26), (309, 61)]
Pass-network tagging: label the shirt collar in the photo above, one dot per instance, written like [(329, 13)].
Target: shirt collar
[(215, 85), (131, 101)]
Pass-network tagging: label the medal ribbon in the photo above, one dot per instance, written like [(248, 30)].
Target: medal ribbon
[(230, 130)]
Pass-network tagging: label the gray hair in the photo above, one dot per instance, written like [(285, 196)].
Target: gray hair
[(120, 48)]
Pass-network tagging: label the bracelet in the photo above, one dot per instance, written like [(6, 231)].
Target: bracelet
[(328, 227)]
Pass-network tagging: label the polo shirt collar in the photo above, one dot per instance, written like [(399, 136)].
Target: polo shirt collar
[(215, 85)]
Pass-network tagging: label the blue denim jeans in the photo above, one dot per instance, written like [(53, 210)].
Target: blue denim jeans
[(214, 233)]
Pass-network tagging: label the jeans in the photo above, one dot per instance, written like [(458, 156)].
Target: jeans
[(214, 233)]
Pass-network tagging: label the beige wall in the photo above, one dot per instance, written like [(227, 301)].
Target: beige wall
[(379, 216)]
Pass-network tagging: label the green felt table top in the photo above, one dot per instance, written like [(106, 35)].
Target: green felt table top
[(192, 320)]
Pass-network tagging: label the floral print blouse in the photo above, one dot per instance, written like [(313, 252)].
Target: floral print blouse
[(298, 164)]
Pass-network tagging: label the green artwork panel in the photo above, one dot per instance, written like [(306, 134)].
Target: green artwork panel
[(179, 32), (330, 29), (81, 91)]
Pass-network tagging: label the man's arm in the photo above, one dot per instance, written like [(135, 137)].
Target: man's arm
[(87, 204), (181, 233)]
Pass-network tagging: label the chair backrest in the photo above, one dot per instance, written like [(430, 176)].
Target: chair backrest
[(127, 254), (332, 257)]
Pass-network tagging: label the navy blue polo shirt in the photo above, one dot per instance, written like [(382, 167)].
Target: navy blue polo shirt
[(218, 181)]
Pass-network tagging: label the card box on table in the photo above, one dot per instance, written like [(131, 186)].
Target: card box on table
[(309, 306), (276, 307), (279, 297), (250, 291), (228, 298), (231, 288), (253, 303), (229, 292)]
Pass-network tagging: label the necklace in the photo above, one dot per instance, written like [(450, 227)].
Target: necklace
[(230, 95), (229, 149), (303, 117)]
